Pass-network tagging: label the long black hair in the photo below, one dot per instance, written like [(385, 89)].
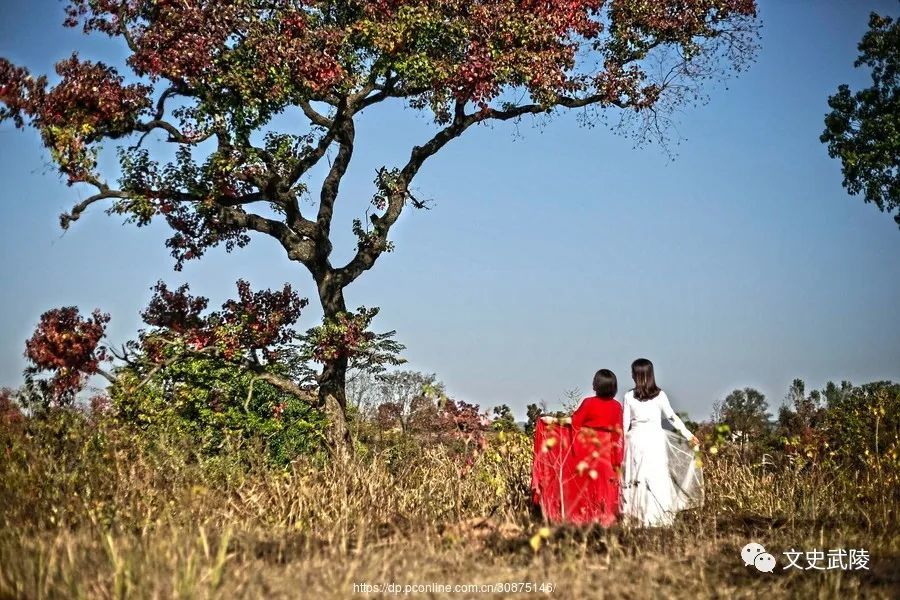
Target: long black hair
[(645, 387)]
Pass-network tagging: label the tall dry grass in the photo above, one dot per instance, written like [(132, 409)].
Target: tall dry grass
[(91, 510)]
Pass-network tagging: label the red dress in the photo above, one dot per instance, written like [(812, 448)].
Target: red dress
[(575, 477)]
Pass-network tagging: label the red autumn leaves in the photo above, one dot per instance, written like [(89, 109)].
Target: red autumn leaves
[(67, 345), (343, 337), (90, 102), (253, 52), (217, 71), (254, 330), (251, 49), (93, 97), (256, 322)]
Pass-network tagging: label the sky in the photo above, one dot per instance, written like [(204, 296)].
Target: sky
[(551, 249)]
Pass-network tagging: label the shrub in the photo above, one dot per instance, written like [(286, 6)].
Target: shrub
[(217, 404)]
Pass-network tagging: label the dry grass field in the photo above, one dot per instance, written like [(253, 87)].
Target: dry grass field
[(92, 511)]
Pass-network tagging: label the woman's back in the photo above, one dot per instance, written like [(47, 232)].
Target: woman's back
[(643, 413), (598, 413), (646, 415)]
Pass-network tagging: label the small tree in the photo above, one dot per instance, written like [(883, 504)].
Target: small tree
[(534, 413), (799, 421), (244, 367), (504, 420), (688, 422), (210, 76), (68, 347), (10, 412), (400, 393), (862, 423), (863, 128), (746, 414), (806, 407)]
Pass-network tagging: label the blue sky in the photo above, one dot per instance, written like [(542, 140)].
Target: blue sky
[(551, 250)]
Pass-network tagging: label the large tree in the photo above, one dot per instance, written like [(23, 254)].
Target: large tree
[(209, 77), (863, 128)]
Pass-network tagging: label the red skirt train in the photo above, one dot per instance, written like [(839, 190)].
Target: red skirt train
[(575, 476)]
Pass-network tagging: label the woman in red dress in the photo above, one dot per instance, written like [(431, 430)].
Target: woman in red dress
[(576, 462)]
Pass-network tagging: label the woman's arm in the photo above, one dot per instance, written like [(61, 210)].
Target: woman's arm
[(626, 414), (674, 419), (579, 415), (618, 439)]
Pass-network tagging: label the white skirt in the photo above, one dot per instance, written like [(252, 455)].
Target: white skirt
[(661, 477)]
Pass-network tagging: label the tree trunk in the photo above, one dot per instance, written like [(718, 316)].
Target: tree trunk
[(332, 397), (333, 379)]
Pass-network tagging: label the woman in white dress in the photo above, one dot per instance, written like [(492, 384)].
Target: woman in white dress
[(661, 475)]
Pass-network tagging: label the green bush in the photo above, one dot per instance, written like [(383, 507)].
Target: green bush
[(219, 405), (862, 423)]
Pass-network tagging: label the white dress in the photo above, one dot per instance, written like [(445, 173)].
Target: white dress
[(661, 475)]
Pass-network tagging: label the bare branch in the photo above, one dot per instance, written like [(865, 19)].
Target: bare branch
[(332, 181), (105, 193), (175, 134), (313, 115), (282, 383), (107, 375), (369, 253), (310, 160), (383, 91), (298, 244)]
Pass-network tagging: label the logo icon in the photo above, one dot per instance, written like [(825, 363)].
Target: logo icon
[(750, 552), (755, 555), (765, 562)]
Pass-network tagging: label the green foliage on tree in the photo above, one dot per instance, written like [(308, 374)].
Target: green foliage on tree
[(854, 426), (504, 420), (745, 410), (534, 413), (863, 127), (863, 422), (217, 403), (746, 414), (238, 375)]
